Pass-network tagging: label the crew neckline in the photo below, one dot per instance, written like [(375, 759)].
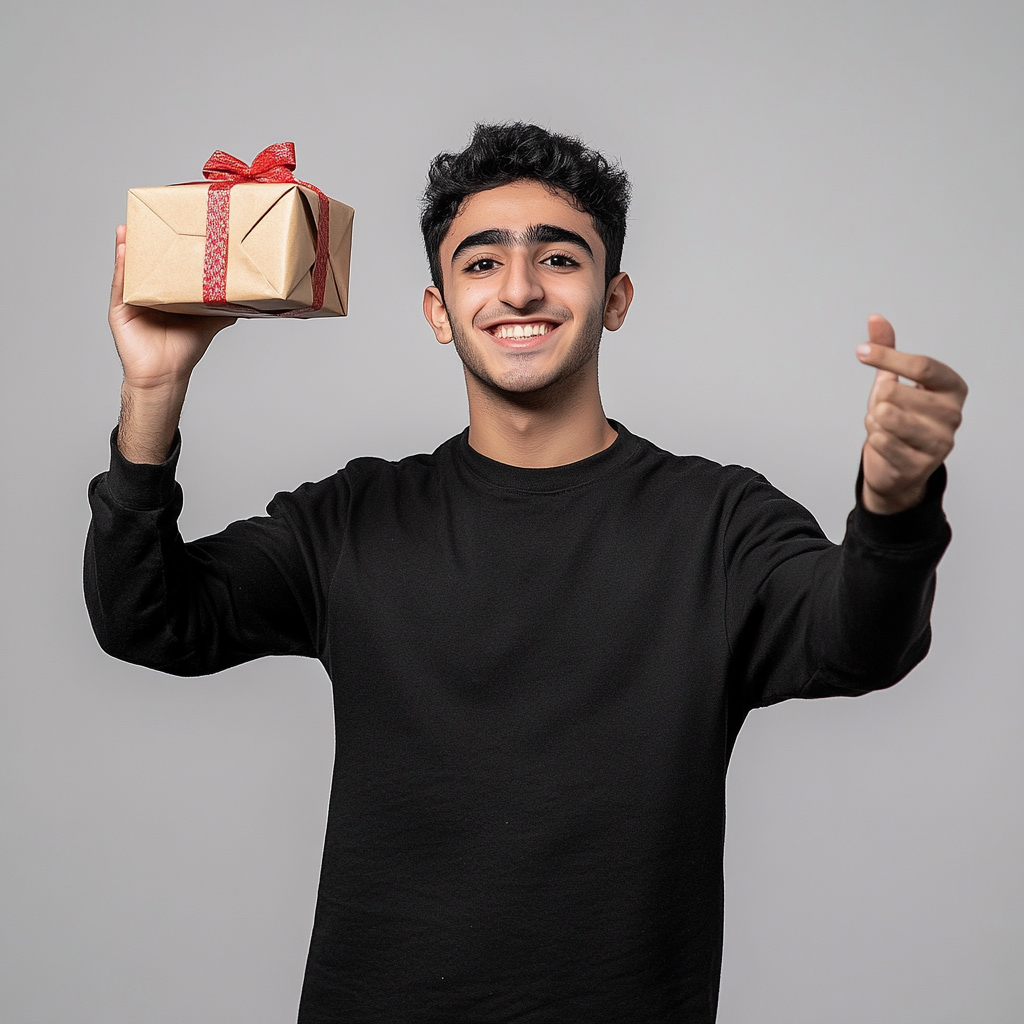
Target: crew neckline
[(618, 454)]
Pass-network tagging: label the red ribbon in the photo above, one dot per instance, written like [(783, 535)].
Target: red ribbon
[(274, 165)]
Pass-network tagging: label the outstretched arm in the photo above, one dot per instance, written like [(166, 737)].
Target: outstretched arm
[(158, 353), (811, 619)]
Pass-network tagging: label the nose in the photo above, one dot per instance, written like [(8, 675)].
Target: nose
[(520, 284)]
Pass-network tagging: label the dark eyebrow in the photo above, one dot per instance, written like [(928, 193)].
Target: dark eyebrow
[(492, 236), (553, 233), (538, 233)]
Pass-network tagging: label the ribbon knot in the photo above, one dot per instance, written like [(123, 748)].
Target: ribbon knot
[(273, 166)]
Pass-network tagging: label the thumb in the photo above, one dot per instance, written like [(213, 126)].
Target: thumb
[(117, 284), (881, 333)]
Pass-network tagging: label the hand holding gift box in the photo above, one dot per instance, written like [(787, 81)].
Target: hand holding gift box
[(252, 242)]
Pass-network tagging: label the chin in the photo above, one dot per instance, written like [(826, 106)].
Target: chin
[(520, 380), (523, 384), (526, 379)]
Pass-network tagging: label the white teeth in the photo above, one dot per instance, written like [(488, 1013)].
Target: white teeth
[(521, 330)]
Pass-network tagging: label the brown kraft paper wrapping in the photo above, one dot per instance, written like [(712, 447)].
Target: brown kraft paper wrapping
[(271, 250)]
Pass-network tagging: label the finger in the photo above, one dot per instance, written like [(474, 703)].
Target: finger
[(942, 406), (922, 433), (923, 370), (880, 331), (117, 284), (903, 460), (882, 335)]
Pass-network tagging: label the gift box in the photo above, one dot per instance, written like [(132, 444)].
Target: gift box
[(252, 241)]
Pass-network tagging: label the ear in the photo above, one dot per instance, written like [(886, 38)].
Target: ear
[(616, 302), (436, 314)]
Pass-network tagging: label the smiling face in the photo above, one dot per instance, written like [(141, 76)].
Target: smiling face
[(525, 300)]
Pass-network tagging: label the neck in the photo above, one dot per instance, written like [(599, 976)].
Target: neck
[(562, 424)]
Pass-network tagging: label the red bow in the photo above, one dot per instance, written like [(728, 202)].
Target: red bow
[(274, 165)]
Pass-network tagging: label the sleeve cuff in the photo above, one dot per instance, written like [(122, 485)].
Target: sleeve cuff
[(139, 486), (922, 524)]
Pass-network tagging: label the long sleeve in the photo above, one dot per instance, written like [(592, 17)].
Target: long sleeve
[(191, 609), (807, 618), (538, 676)]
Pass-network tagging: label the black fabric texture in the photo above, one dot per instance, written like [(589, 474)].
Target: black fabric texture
[(538, 675)]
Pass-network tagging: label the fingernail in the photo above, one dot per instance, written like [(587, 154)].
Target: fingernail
[(863, 350)]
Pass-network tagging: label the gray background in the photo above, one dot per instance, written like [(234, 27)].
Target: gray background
[(796, 167)]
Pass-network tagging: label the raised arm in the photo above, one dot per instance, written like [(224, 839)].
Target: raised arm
[(153, 600), (158, 353)]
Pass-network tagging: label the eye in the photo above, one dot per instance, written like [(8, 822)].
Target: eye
[(561, 260), (481, 265)]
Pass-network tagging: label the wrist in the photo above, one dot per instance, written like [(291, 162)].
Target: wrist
[(149, 418), (156, 390), (893, 503)]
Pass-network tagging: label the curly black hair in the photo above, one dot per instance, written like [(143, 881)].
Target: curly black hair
[(499, 154)]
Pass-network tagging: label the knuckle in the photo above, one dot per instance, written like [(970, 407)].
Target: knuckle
[(888, 415), (887, 389), (881, 441), (922, 369)]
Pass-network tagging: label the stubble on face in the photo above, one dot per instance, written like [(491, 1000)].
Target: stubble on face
[(522, 378)]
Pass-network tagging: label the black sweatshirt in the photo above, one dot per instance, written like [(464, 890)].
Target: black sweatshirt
[(538, 678)]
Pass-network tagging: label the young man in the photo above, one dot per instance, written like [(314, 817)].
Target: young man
[(543, 638)]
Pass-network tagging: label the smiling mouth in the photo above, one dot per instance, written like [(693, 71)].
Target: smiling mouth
[(535, 329)]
